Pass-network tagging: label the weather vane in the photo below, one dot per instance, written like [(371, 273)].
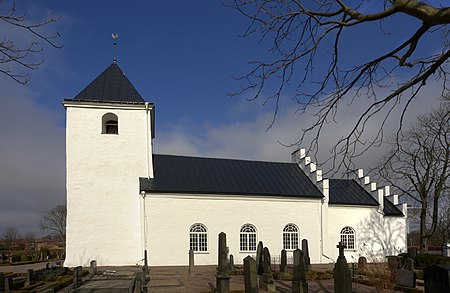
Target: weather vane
[(115, 37)]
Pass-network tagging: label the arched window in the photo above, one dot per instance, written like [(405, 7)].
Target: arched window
[(110, 124), (348, 237), (198, 237), (290, 237), (248, 238)]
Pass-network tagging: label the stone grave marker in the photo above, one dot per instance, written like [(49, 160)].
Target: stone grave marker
[(405, 278), (93, 267), (250, 275), (342, 274), (259, 258), (305, 250), (77, 276), (2, 281), (191, 261), (408, 264), (392, 262), (266, 280), (29, 277), (299, 284), (8, 284), (222, 276), (362, 264), (283, 262), (231, 263), (437, 279)]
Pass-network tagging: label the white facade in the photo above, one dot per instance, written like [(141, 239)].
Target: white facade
[(103, 170)]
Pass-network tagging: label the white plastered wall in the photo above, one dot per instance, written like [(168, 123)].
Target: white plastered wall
[(103, 170), (376, 235), (169, 217)]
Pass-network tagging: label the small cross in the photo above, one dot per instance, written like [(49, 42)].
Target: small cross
[(341, 248)]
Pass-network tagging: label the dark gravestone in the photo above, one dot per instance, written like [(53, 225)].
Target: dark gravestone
[(266, 280), (250, 275), (2, 282), (191, 262), (77, 276), (405, 278), (93, 266), (437, 279), (231, 263), (362, 264), (342, 274), (29, 277), (259, 258), (8, 284), (392, 262), (223, 276), (299, 284), (412, 252), (407, 264), (305, 251), (283, 263)]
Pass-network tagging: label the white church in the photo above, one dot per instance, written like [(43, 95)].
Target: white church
[(122, 199)]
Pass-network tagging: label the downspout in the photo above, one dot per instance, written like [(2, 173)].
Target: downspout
[(321, 235), (147, 111)]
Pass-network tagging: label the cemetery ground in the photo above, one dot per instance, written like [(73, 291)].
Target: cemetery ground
[(183, 280)]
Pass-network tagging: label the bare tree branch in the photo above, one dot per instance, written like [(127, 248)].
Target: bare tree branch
[(298, 30), (13, 55), (55, 221)]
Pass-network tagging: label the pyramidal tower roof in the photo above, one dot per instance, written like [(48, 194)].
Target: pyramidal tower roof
[(110, 86)]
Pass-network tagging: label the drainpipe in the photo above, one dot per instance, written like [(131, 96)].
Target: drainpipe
[(147, 111)]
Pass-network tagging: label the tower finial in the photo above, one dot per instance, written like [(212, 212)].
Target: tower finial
[(115, 37)]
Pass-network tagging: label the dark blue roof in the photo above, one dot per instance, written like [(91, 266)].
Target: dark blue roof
[(110, 86), (180, 174), (349, 192)]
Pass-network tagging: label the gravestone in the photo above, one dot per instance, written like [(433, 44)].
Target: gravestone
[(283, 262), (8, 284), (407, 264), (362, 264), (342, 274), (299, 284), (250, 275), (93, 267), (2, 281), (191, 261), (29, 277), (77, 276), (405, 278), (231, 263), (259, 258), (305, 251), (412, 251), (222, 276), (266, 280), (437, 279), (392, 262)]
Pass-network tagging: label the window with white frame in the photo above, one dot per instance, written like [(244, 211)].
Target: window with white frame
[(248, 238), (198, 237), (290, 237), (348, 237)]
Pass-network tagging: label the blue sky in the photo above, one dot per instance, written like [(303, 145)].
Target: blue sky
[(181, 55)]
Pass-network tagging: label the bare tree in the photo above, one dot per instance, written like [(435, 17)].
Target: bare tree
[(55, 221), (308, 39), (10, 237), (16, 59), (419, 167)]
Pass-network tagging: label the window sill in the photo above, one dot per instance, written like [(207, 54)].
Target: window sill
[(201, 252)]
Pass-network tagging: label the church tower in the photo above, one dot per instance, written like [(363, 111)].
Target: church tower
[(109, 131)]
